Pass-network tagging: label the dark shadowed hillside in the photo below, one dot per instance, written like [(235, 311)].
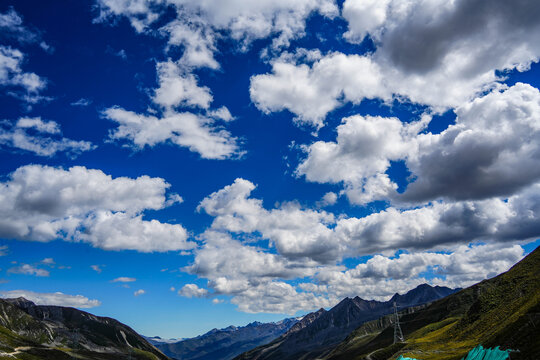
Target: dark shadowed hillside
[(29, 331), (326, 329), (503, 311)]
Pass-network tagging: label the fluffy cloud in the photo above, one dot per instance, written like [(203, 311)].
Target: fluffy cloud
[(139, 292), (116, 231), (312, 92), (438, 53), (490, 151), (456, 47), (41, 137), (295, 232), (57, 298), (192, 290), (257, 278), (13, 77), (307, 235), (423, 37), (47, 127), (124, 279), (247, 20), (48, 261), (444, 224), (197, 40), (11, 20), (364, 17), (242, 20), (27, 269), (196, 29), (221, 114), (250, 274), (381, 276), (328, 199), (139, 12), (179, 88), (43, 203), (19, 83), (196, 132), (236, 261), (280, 297), (213, 260), (361, 155)]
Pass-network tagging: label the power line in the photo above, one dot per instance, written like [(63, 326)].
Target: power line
[(398, 334)]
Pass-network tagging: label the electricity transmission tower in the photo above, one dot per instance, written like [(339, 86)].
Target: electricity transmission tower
[(398, 334)]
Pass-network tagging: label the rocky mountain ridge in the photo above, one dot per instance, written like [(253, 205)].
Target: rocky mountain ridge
[(30, 331), (325, 329), (226, 343), (503, 311)]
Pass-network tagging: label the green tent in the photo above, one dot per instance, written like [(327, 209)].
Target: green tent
[(479, 353)]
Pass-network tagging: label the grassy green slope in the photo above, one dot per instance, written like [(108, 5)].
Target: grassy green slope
[(502, 311)]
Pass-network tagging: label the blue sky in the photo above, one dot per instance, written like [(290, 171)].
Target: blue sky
[(185, 165)]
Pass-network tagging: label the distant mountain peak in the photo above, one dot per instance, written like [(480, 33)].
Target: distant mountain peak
[(20, 302), (421, 287), (319, 330), (226, 343), (421, 294)]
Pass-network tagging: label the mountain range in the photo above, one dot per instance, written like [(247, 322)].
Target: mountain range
[(30, 331), (503, 311), (319, 332), (225, 344)]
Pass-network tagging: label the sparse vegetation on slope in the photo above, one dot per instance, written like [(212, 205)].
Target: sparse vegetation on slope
[(503, 311), (318, 337), (33, 332)]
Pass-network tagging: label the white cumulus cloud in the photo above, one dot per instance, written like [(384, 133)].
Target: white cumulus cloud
[(437, 53), (294, 231), (195, 132), (312, 92), (192, 290), (40, 137), (13, 76), (178, 87), (43, 203), (490, 151), (244, 21)]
